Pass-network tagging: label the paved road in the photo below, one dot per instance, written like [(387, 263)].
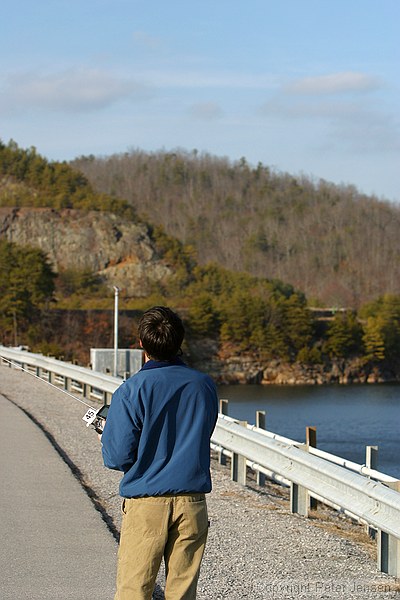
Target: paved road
[(54, 544)]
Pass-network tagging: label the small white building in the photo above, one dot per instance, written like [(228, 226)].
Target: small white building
[(128, 361)]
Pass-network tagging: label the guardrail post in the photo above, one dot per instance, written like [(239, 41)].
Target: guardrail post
[(67, 383), (311, 440), (223, 409), (371, 457), (86, 390), (299, 498), (388, 554), (50, 377), (107, 397), (260, 422), (38, 371), (371, 461), (238, 464), (223, 406), (311, 436), (389, 547)]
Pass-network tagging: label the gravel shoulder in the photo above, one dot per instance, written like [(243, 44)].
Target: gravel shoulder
[(256, 549)]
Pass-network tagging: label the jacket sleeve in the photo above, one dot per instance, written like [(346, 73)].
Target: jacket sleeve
[(122, 431), (214, 406)]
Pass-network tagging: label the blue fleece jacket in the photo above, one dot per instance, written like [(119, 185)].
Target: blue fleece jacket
[(158, 430)]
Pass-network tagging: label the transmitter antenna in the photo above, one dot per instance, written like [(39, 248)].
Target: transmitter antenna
[(93, 416), (18, 366)]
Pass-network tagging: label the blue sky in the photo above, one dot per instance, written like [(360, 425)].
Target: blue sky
[(305, 86)]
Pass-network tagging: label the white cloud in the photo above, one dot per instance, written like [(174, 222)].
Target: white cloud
[(335, 83), (193, 79), (207, 111), (349, 125), (286, 107), (71, 90)]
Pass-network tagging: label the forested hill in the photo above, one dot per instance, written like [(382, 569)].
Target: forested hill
[(338, 246), (347, 250)]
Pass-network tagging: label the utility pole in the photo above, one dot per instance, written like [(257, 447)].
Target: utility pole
[(116, 292)]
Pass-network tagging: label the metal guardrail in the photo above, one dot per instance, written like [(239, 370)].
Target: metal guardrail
[(362, 493), (338, 460), (370, 500), (89, 383), (307, 473)]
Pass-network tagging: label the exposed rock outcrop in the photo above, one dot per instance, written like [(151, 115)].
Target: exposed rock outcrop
[(121, 252), (230, 367)]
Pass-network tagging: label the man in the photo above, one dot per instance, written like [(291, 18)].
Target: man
[(158, 433)]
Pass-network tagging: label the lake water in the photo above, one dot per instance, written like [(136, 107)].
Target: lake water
[(347, 418)]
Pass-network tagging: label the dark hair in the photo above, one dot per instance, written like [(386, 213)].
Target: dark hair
[(161, 332)]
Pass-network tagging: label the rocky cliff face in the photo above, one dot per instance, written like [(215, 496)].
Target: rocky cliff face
[(246, 370), (230, 367), (119, 251)]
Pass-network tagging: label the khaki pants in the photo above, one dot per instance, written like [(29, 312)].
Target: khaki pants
[(173, 527)]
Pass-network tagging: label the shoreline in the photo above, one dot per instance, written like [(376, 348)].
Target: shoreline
[(302, 383), (247, 369)]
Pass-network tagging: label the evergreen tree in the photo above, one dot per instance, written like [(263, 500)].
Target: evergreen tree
[(26, 283), (203, 317), (344, 336), (298, 322), (390, 315), (374, 339), (382, 328), (31, 180)]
